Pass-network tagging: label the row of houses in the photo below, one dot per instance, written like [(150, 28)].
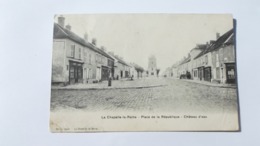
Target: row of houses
[(212, 62), (76, 60)]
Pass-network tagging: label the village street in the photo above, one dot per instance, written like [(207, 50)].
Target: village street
[(174, 95)]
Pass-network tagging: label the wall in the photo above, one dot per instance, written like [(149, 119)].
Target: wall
[(229, 53), (89, 67), (77, 56), (58, 64), (223, 55)]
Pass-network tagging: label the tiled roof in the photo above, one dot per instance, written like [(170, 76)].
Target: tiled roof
[(227, 37), (62, 33)]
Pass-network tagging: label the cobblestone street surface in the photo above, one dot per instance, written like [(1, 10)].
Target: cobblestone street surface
[(174, 95), (118, 84)]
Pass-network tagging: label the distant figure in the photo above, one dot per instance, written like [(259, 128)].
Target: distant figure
[(132, 77)]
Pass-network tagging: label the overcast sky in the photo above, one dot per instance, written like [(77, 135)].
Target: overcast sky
[(135, 37)]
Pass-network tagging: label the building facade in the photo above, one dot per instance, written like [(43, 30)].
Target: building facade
[(212, 62), (224, 66), (75, 60), (121, 68), (136, 71)]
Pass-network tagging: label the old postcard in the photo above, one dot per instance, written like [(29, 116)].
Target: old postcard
[(144, 72)]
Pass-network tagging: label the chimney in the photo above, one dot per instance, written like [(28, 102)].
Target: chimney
[(94, 41), (61, 21), (86, 37), (68, 27), (217, 35)]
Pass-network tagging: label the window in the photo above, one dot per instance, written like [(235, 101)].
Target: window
[(85, 56), (206, 59), (89, 58), (90, 74), (79, 53), (72, 51)]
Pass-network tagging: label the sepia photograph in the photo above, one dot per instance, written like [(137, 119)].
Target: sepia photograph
[(144, 72)]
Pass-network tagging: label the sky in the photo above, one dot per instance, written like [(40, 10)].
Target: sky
[(135, 37)]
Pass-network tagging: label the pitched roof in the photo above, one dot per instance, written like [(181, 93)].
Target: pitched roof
[(231, 40), (185, 60), (206, 49), (104, 53), (120, 60), (61, 33), (218, 43)]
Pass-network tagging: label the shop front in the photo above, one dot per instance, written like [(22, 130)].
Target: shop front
[(126, 74), (75, 72), (105, 73), (195, 74), (207, 74), (230, 73)]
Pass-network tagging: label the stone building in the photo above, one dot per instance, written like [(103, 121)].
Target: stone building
[(212, 62), (223, 58), (75, 60), (136, 71), (121, 68)]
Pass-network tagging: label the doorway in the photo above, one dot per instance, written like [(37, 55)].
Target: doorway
[(75, 72)]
